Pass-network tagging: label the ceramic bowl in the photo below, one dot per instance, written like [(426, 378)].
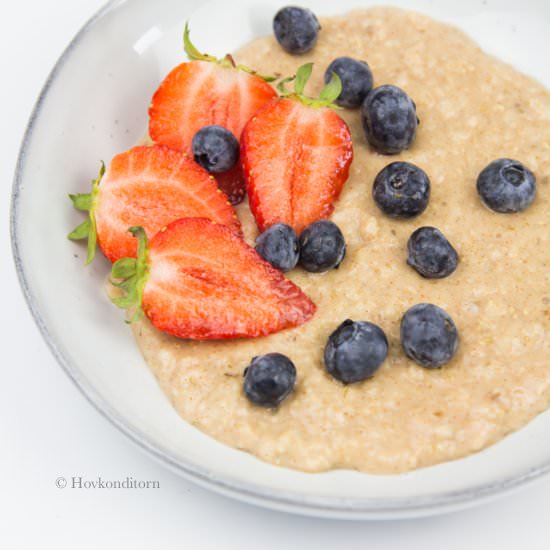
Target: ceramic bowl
[(94, 105)]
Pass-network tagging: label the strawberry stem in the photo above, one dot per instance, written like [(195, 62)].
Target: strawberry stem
[(227, 61), (328, 95), (190, 49), (87, 229), (230, 60), (130, 276), (267, 78)]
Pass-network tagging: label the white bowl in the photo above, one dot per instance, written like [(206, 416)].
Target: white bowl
[(94, 105)]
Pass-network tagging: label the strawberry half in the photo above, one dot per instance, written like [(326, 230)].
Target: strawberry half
[(198, 279), (296, 153), (232, 184), (202, 92), (148, 186)]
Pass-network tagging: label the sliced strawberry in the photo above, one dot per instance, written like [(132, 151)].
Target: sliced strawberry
[(296, 154), (198, 279), (232, 184), (151, 186), (203, 92), (296, 159), (200, 93)]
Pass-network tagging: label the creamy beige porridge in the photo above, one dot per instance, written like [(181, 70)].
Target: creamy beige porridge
[(473, 109)]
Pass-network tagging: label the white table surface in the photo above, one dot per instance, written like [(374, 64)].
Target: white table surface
[(48, 430)]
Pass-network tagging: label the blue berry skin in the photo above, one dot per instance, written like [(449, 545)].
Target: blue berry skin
[(506, 186), (401, 190), (355, 351), (269, 379), (428, 335), (296, 29), (356, 78), (215, 148), (389, 119), (431, 254), (322, 246), (279, 246)]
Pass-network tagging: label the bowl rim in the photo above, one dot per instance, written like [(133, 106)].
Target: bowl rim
[(324, 506)]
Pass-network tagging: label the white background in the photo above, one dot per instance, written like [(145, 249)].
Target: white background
[(47, 429)]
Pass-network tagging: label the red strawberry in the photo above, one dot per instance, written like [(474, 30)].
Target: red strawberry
[(198, 279), (202, 92), (296, 153), (150, 187), (232, 184)]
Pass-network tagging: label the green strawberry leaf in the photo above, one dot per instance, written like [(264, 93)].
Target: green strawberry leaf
[(332, 90), (302, 76), (195, 55), (124, 268), (80, 231), (87, 229), (191, 50), (82, 201), (328, 94), (267, 78), (130, 276), (282, 88), (92, 241), (128, 299)]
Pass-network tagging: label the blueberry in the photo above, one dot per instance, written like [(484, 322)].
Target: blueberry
[(431, 254), (296, 29), (279, 246), (269, 379), (428, 335), (506, 186), (389, 119), (356, 78), (401, 190), (355, 351), (322, 246), (215, 148)]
